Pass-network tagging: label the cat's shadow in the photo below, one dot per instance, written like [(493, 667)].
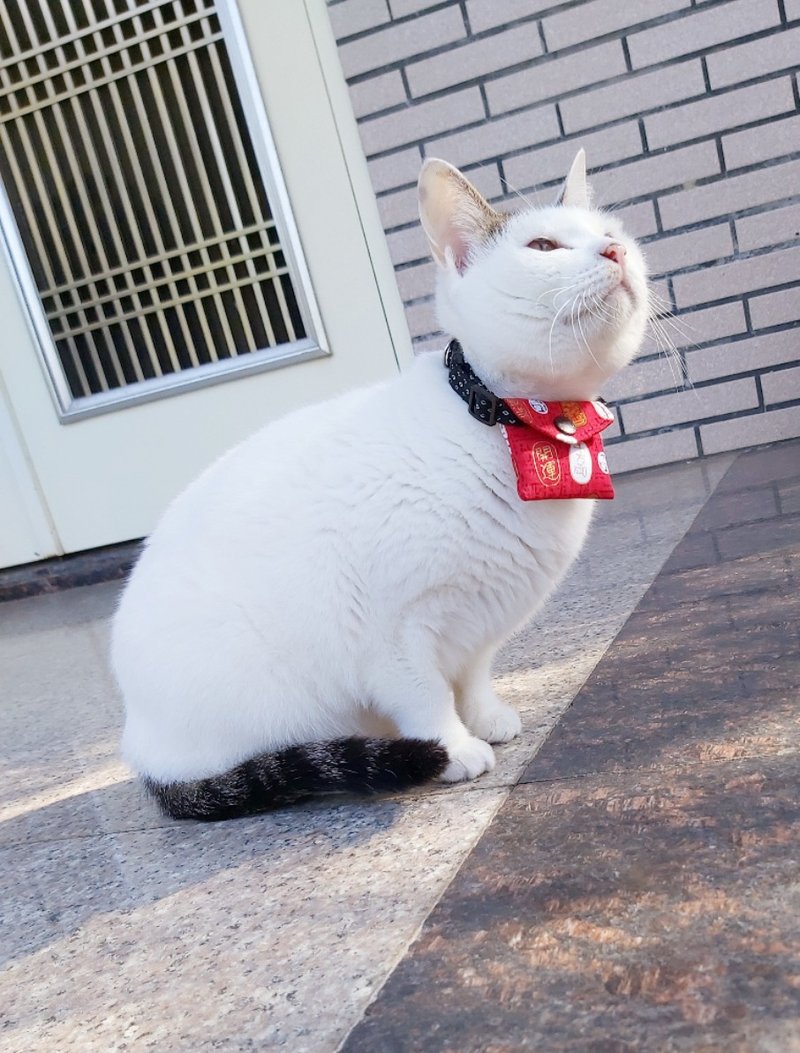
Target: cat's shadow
[(109, 852)]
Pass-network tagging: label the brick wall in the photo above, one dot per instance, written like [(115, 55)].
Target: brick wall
[(688, 110)]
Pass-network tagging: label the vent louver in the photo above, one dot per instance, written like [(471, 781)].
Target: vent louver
[(133, 180)]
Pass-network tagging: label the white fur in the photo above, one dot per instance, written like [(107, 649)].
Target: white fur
[(353, 567)]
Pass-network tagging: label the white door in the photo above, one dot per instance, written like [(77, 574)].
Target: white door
[(177, 272)]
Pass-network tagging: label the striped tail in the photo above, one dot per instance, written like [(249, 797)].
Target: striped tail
[(270, 780)]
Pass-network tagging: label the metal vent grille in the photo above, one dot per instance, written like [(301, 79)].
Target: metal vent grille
[(133, 180)]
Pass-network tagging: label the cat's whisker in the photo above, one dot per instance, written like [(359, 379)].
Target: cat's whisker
[(654, 294), (588, 308), (681, 328), (658, 306), (601, 309), (505, 294), (554, 290), (577, 317), (565, 289), (527, 202), (519, 194), (673, 356), (550, 337), (661, 316)]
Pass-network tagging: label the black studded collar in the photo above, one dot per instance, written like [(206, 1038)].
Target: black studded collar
[(482, 403)]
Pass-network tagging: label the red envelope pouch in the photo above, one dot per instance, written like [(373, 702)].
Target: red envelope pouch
[(558, 452)]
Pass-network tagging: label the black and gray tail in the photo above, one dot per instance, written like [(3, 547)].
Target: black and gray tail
[(271, 780)]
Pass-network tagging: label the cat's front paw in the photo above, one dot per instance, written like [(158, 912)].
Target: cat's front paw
[(469, 759), (501, 723)]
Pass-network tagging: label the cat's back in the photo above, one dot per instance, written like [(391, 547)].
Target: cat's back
[(332, 464), (274, 504), (376, 481)]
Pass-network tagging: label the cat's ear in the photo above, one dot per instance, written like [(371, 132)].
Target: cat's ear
[(454, 216), (575, 189)]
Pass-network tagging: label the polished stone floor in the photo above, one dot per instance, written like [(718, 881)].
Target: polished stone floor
[(626, 880)]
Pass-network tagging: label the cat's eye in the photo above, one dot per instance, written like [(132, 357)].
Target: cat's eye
[(542, 245)]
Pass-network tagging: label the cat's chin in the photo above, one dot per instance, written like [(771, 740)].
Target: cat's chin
[(582, 382), (625, 293), (621, 295)]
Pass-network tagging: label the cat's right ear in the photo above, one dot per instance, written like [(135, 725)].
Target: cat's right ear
[(454, 216), (575, 189)]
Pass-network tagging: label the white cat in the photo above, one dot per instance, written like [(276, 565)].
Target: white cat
[(321, 608)]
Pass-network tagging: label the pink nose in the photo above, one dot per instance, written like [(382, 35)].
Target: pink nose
[(615, 252)]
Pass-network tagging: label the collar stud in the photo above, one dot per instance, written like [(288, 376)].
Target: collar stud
[(565, 425), (483, 404)]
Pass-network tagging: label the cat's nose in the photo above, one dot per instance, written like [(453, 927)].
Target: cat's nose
[(615, 252)]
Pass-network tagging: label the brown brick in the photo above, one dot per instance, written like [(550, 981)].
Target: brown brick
[(740, 276), (586, 21), (547, 163), (419, 120), (742, 356), (710, 115), (660, 172), (421, 319), (751, 430), (554, 76), (474, 59), (401, 8), (496, 137), (396, 170), (692, 405), (633, 95), (401, 41), (701, 28), (415, 282), (675, 251), (709, 323), (761, 144), (784, 384), (398, 208), (754, 58), (768, 228), (377, 93), (407, 245), (354, 16), (645, 452), (639, 220), (644, 378), (730, 194), (487, 14), (775, 308)]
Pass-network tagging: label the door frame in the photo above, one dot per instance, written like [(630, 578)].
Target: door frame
[(24, 491)]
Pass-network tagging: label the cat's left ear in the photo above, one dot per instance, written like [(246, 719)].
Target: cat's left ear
[(575, 189), (455, 217)]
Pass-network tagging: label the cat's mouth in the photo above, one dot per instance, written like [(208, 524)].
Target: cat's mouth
[(624, 289), (596, 304)]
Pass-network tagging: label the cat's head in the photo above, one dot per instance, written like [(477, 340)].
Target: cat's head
[(546, 301)]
